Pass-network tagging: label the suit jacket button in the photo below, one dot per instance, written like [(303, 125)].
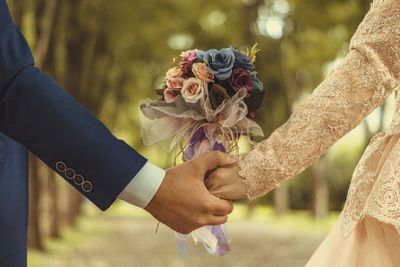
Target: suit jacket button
[(70, 173), (87, 186), (60, 166), (78, 179)]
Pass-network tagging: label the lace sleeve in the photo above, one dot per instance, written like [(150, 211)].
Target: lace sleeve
[(368, 74)]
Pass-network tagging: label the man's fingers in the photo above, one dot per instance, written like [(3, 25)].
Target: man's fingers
[(222, 207), (217, 220), (212, 160), (218, 193)]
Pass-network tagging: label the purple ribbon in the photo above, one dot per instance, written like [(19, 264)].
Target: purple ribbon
[(217, 230), (223, 242), (181, 245), (198, 137)]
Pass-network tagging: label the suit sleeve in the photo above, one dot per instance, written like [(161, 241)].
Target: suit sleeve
[(39, 114)]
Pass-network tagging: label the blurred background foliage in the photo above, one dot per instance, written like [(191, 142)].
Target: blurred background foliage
[(111, 54)]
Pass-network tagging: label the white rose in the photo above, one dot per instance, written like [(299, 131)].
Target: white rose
[(194, 89)]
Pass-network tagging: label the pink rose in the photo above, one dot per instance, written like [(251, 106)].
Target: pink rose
[(240, 78), (169, 95), (194, 89), (188, 58), (201, 72), (175, 83), (175, 72)]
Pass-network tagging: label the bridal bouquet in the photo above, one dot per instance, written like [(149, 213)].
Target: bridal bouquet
[(207, 100)]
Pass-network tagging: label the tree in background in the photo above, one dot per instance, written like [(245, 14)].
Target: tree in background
[(111, 54)]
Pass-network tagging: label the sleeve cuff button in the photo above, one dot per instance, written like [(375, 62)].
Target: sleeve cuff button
[(87, 186), (70, 173), (60, 166), (78, 179)]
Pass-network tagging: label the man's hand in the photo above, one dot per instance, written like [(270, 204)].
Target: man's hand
[(183, 202)]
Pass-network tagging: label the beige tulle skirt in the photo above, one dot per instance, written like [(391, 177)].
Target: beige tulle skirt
[(371, 244)]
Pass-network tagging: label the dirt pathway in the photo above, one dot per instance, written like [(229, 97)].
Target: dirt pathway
[(107, 241)]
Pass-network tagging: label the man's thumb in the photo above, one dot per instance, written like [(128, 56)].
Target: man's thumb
[(215, 159)]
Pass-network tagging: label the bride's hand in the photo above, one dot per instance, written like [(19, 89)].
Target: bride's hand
[(226, 183)]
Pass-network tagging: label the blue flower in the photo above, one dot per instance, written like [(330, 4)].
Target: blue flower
[(257, 84), (200, 55), (220, 62), (241, 60)]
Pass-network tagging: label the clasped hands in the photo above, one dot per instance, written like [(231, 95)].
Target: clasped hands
[(198, 192)]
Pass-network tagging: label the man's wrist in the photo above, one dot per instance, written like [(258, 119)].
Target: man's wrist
[(141, 190)]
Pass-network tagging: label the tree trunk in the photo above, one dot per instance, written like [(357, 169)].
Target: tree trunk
[(320, 204), (74, 207), (45, 34), (34, 234), (281, 194), (250, 207), (28, 22), (281, 199), (54, 210)]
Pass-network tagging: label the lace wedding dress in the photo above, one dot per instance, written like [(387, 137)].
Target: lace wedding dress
[(367, 231)]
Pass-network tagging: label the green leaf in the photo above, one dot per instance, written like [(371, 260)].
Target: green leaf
[(217, 95), (160, 92)]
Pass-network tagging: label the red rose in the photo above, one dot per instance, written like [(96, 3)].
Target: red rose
[(240, 78)]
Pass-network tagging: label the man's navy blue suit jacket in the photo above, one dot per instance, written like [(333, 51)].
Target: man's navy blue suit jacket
[(41, 116)]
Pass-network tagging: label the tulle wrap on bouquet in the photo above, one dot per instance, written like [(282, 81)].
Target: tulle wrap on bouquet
[(195, 129)]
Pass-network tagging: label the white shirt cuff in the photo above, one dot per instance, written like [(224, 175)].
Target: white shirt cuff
[(141, 190)]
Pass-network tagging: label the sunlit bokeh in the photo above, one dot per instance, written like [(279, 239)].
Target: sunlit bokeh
[(110, 55), (217, 17), (274, 27), (180, 41)]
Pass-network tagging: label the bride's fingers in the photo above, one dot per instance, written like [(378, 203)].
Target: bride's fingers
[(230, 192), (219, 177), (210, 183)]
